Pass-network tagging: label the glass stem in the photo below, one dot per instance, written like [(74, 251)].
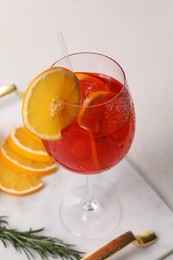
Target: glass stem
[(89, 204), (89, 195)]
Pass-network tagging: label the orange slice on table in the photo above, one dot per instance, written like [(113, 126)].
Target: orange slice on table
[(25, 165), (45, 107), (17, 184), (26, 145)]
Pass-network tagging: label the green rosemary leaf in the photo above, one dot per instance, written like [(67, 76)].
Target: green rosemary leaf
[(32, 240)]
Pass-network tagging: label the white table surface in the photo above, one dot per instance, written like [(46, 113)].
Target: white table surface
[(136, 33)]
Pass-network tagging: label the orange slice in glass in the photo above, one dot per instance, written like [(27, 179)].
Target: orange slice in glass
[(14, 183), (26, 145), (91, 116), (45, 107), (25, 165), (89, 83), (92, 113)]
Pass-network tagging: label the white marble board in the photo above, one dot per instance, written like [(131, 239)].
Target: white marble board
[(142, 208)]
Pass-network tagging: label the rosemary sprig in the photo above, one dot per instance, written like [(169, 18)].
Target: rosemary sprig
[(28, 241)]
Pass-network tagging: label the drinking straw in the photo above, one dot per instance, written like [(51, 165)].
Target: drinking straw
[(64, 50), (89, 204)]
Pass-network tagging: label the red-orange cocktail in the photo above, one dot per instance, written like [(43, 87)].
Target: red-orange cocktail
[(102, 133)]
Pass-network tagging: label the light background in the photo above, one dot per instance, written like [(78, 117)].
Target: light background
[(136, 33)]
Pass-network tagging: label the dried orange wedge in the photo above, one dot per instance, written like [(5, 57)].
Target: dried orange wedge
[(26, 145), (17, 184), (45, 107), (25, 165)]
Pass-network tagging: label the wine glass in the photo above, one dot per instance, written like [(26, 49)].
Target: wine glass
[(97, 139)]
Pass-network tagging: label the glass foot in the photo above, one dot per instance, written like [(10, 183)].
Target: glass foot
[(90, 219)]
